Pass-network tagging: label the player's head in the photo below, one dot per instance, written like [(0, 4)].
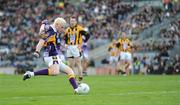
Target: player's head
[(73, 21), (123, 35), (60, 24)]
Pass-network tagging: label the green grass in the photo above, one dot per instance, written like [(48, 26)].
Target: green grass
[(105, 90)]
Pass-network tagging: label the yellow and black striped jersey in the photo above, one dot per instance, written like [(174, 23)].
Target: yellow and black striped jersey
[(113, 49), (74, 35), (125, 45)]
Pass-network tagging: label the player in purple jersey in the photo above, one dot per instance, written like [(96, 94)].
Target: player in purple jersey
[(49, 41)]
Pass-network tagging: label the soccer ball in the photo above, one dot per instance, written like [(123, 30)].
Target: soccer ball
[(83, 88)]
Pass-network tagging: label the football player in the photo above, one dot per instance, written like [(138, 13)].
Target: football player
[(74, 39), (48, 39), (125, 47), (113, 54)]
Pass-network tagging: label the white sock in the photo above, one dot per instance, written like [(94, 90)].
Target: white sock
[(76, 89), (32, 73)]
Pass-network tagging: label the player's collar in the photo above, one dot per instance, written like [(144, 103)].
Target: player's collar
[(73, 26)]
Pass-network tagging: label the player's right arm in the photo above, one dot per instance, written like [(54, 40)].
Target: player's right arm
[(43, 37), (65, 37), (118, 45), (109, 48)]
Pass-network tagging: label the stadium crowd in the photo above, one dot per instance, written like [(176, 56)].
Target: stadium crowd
[(168, 38), (20, 21), (172, 32), (159, 64), (105, 20)]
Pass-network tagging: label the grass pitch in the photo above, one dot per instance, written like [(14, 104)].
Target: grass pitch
[(104, 90)]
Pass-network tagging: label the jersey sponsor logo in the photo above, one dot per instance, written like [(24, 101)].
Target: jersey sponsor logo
[(55, 60), (125, 45), (72, 38)]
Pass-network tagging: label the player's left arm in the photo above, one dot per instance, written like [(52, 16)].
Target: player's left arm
[(65, 37), (85, 35), (40, 45), (130, 46), (85, 38), (130, 43)]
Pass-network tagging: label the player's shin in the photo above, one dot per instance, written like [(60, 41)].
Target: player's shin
[(41, 72), (29, 74), (127, 68), (72, 80), (80, 72)]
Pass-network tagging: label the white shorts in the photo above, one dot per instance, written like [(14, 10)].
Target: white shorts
[(113, 59), (54, 60), (62, 57), (127, 56), (73, 51)]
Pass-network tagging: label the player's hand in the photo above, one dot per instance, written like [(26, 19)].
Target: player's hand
[(46, 24), (66, 46), (45, 21), (36, 54), (80, 47)]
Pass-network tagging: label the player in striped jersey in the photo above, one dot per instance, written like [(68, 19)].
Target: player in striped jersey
[(113, 53), (125, 47), (74, 39)]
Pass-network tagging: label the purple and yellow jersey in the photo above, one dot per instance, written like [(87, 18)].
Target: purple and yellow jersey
[(51, 41), (85, 48)]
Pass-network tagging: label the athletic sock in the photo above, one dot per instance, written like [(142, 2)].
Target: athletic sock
[(73, 82), (41, 72)]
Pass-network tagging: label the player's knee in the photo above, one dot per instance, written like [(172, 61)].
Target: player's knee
[(71, 75), (70, 64), (70, 72), (78, 62), (67, 70)]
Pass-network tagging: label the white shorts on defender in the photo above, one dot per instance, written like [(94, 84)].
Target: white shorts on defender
[(54, 60), (73, 51)]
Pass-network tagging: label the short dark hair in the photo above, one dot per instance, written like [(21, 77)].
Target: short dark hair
[(73, 16)]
